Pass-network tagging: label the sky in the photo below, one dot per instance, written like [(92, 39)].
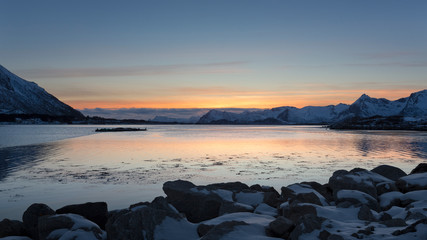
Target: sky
[(216, 54)]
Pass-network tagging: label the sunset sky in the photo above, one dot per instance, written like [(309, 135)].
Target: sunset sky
[(216, 54)]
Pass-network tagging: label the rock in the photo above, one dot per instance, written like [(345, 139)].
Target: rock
[(412, 182), (281, 227), (410, 228), (12, 228), (307, 198), (203, 229), (357, 198), (386, 187), (232, 207), (366, 214), (385, 216), (412, 197), (324, 190), (266, 210), (395, 222), (415, 216), (308, 194), (324, 235), (222, 229), (231, 186), (250, 197), (357, 179), (421, 168), (306, 224), (197, 205), (390, 172), (335, 237), (58, 226), (390, 199), (31, 216), (272, 198), (295, 211), (96, 212), (141, 222)]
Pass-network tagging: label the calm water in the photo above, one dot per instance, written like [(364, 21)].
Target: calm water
[(61, 165)]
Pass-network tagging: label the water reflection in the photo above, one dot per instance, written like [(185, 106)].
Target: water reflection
[(13, 159)]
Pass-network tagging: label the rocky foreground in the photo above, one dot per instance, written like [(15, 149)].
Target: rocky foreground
[(384, 203)]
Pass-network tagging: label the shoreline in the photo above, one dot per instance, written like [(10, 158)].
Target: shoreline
[(382, 203)]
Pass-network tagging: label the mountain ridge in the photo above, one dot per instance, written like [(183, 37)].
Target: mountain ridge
[(19, 96)]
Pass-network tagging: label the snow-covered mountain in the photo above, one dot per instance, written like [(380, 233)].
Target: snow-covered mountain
[(18, 96), (280, 115), (413, 107)]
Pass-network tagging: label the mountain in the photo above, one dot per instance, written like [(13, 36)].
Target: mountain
[(18, 96), (365, 112), (280, 115), (379, 113)]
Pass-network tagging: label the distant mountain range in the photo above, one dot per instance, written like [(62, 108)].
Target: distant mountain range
[(412, 108), (21, 97)]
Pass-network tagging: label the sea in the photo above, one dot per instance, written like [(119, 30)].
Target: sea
[(68, 164)]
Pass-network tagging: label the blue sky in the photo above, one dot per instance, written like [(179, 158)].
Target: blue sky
[(211, 54)]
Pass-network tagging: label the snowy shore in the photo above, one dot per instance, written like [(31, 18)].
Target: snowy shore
[(383, 203)]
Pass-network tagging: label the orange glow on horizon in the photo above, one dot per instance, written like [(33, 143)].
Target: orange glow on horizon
[(213, 100)]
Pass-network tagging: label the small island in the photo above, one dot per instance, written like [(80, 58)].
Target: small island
[(120, 129)]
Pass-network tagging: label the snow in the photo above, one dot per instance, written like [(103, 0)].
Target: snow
[(266, 210), (415, 195), (418, 179), (224, 194), (252, 199), (386, 198), (249, 218), (76, 232), (171, 228), (354, 194)]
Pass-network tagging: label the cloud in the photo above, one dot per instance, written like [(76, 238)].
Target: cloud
[(204, 68)]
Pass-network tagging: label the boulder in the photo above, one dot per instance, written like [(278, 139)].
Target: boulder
[(306, 224), (232, 207), (357, 198), (395, 222), (31, 216), (412, 182), (307, 198), (196, 203), (357, 179), (231, 186), (68, 226), (421, 168), (281, 227), (295, 211), (386, 187), (324, 235), (390, 199), (12, 228), (390, 172), (366, 214), (96, 212), (266, 210), (140, 222), (306, 193)]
